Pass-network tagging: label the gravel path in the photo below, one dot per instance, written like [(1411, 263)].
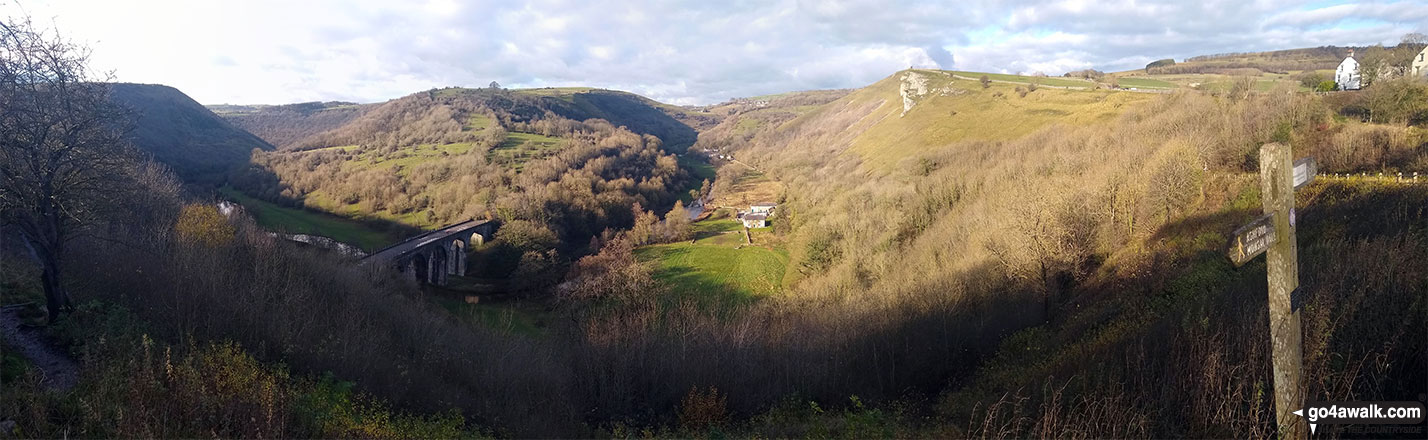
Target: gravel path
[(59, 372)]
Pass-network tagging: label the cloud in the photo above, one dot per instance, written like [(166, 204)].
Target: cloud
[(685, 52)]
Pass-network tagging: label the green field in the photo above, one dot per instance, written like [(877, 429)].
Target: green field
[(301, 221), (1145, 83), (409, 156), (714, 271), (519, 148), (558, 92), (478, 122)]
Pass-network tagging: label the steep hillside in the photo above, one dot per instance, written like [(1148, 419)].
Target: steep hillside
[(916, 112), (448, 155), (196, 143), (1069, 244), (671, 124)]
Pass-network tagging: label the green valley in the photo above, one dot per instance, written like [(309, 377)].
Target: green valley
[(913, 249)]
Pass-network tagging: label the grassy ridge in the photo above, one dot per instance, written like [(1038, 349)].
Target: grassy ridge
[(1043, 80)]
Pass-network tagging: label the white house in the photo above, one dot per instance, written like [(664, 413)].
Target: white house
[(1347, 75), (762, 208), (1420, 64), (755, 220)]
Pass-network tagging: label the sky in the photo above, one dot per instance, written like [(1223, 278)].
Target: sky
[(681, 52)]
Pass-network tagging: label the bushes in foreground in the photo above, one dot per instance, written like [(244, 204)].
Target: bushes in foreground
[(133, 386)]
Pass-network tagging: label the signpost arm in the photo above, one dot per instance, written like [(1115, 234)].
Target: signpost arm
[(1277, 190)]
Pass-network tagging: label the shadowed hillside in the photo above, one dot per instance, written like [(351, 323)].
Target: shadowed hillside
[(199, 145), (639, 114)]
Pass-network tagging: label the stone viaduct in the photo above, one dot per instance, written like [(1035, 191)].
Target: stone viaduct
[(434, 255)]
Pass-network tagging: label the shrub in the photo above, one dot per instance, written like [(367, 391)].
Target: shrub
[(1398, 100), (204, 225), (986, 82), (1310, 79), (1326, 86), (701, 409)]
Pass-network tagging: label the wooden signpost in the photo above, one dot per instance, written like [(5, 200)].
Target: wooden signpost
[(1273, 234), (1252, 239)]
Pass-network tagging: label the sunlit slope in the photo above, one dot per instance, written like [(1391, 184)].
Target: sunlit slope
[(940, 110)]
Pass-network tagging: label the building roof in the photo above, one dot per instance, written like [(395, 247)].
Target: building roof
[(755, 217)]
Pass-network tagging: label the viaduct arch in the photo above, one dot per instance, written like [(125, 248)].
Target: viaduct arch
[(433, 256)]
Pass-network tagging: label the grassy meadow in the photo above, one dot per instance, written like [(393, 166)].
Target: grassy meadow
[(748, 186), (301, 221), (717, 269), (519, 148), (1145, 83)]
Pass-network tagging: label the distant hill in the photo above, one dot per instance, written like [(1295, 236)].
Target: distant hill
[(739, 119), (198, 144), (674, 125), (324, 124), (444, 155), (286, 126)]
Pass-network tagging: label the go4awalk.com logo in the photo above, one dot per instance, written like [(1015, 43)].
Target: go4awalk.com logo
[(1366, 413)]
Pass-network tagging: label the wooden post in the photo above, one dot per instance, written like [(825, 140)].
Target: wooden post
[(1277, 186)]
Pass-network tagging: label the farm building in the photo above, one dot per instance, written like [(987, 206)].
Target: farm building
[(755, 220), (1420, 64), (1347, 75), (762, 208)]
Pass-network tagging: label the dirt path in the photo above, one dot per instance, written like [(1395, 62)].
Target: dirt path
[(59, 372)]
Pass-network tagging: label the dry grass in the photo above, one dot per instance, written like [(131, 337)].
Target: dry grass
[(748, 186), (967, 112)]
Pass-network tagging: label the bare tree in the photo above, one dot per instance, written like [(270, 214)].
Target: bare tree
[(62, 155)]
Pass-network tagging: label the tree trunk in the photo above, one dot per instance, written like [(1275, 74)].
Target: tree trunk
[(56, 298)]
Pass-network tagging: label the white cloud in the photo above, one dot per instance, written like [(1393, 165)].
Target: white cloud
[(274, 51)]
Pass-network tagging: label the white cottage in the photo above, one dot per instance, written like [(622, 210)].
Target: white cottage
[(1347, 75), (755, 220), (1420, 64)]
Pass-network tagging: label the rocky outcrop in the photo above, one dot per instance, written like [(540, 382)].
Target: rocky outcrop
[(917, 85), (914, 85)]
